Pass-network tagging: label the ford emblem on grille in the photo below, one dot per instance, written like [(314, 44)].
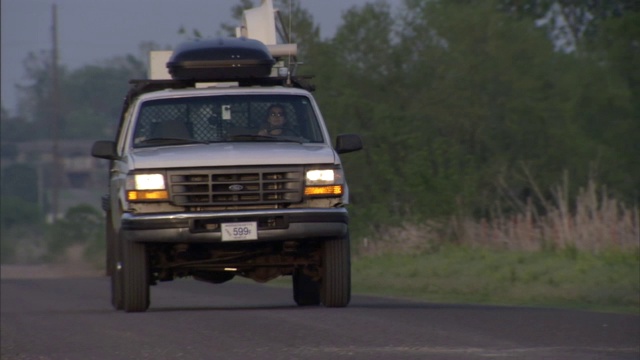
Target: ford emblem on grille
[(236, 187)]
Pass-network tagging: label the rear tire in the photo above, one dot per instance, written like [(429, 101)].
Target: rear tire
[(335, 289), (306, 291), (135, 273), (110, 245)]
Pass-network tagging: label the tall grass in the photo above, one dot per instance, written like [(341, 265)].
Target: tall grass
[(594, 222), (582, 253)]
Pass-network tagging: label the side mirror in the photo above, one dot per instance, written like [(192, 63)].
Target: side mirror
[(348, 142), (104, 149)]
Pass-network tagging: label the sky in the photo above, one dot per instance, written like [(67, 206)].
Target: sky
[(91, 31)]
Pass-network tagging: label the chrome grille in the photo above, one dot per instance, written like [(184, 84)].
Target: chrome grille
[(245, 186)]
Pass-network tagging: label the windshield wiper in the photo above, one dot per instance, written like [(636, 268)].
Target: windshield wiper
[(170, 141), (253, 137)]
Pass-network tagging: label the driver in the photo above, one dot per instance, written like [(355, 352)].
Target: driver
[(276, 122)]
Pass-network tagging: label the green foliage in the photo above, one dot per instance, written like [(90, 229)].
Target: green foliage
[(7, 248), (604, 282), (20, 181), (21, 219), (23, 243), (615, 123), (25, 238), (13, 129), (35, 98), (15, 211), (464, 100), (90, 99), (82, 224), (100, 90)]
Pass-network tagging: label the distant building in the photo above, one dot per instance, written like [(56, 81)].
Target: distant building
[(79, 169), (83, 178)]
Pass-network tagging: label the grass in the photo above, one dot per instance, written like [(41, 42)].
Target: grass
[(458, 274), (583, 254)]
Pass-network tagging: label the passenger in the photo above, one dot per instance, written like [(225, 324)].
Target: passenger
[(276, 123)]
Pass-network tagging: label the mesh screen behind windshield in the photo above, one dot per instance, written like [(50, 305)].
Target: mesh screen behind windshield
[(220, 118)]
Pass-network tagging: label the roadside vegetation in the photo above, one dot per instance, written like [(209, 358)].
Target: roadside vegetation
[(581, 255), (501, 148), (36, 242), (607, 281)]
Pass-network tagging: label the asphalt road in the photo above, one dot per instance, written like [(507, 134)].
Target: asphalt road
[(71, 318)]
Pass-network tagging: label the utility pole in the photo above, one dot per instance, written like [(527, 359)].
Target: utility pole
[(55, 117)]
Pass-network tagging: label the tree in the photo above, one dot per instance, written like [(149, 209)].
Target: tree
[(463, 101), (21, 219), (94, 97), (613, 111), (354, 89), (14, 128), (81, 224), (91, 97), (20, 181), (570, 22), (18, 212), (34, 98)]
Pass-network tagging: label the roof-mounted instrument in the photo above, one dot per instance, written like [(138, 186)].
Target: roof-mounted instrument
[(253, 58)]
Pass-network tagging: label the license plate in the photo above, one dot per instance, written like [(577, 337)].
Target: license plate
[(240, 231)]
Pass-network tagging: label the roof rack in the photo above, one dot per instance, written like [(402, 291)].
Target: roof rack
[(143, 86)]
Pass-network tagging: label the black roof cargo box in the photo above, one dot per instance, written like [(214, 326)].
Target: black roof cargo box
[(220, 59)]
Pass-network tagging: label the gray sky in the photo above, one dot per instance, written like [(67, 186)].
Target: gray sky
[(90, 31)]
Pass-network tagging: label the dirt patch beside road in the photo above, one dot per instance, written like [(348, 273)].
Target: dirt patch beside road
[(74, 265)]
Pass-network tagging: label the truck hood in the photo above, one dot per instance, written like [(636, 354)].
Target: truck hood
[(232, 154)]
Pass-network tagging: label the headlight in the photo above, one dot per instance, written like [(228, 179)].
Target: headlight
[(324, 182), (142, 187), (320, 177), (147, 182)]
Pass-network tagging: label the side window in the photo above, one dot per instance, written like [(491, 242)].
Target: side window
[(161, 120), (127, 124)]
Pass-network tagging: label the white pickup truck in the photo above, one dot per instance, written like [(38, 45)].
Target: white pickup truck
[(203, 185)]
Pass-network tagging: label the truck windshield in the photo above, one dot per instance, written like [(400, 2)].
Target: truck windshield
[(237, 118)]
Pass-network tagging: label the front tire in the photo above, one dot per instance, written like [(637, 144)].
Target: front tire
[(115, 263), (135, 274), (335, 288)]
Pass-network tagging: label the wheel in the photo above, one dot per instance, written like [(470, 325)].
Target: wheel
[(335, 287), (135, 275), (110, 245), (306, 291), (116, 278)]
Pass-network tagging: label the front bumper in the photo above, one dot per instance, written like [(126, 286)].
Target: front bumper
[(201, 227)]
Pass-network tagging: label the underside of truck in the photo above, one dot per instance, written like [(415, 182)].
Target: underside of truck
[(217, 263)]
